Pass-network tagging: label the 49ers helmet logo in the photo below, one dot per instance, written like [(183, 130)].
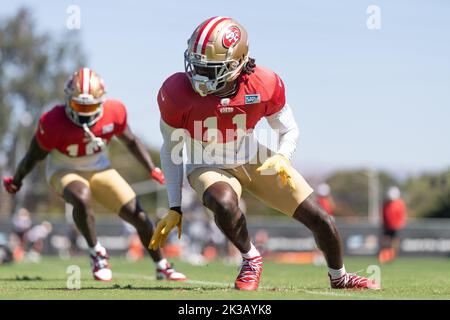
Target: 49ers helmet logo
[(231, 37)]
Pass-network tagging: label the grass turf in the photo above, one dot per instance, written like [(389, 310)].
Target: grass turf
[(406, 278)]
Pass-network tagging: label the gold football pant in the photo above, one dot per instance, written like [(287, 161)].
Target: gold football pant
[(264, 187), (107, 186)]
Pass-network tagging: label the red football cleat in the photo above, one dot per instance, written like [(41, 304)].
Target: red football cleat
[(101, 269), (353, 281), (250, 274), (169, 273)]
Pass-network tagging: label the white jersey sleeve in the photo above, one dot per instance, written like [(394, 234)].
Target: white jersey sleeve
[(284, 123), (172, 163)]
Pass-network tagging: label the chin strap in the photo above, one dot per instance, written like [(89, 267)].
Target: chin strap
[(98, 141)]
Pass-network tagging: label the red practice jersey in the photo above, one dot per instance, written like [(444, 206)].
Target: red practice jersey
[(260, 94), (394, 214), (57, 132)]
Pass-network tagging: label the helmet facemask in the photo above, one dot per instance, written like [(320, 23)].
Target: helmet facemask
[(208, 77), (81, 118)]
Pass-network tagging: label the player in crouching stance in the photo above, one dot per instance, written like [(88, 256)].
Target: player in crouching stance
[(73, 137), (217, 101)]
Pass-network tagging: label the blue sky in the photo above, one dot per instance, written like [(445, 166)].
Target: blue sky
[(361, 97)]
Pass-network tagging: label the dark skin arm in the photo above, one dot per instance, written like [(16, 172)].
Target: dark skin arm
[(34, 155), (136, 147)]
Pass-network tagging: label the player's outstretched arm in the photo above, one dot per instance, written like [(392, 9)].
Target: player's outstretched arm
[(174, 175), (34, 154), (137, 148), (172, 162)]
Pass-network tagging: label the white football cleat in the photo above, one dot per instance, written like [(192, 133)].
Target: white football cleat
[(169, 273), (100, 266)]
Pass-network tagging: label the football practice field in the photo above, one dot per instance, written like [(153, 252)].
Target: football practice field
[(406, 278)]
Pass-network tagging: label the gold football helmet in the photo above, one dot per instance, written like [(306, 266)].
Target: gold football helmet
[(217, 51), (85, 94)]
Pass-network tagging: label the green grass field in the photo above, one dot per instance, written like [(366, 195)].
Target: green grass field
[(404, 279)]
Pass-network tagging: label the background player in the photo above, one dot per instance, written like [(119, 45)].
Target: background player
[(73, 137), (325, 200), (394, 219), (218, 101)]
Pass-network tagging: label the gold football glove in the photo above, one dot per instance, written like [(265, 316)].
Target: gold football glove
[(171, 220), (282, 167)]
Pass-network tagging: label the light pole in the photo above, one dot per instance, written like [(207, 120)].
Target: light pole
[(373, 196)]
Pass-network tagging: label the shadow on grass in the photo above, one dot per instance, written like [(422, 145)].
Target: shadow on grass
[(181, 289), (131, 287), (25, 278)]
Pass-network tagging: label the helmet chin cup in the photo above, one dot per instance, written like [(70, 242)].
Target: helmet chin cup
[(203, 85)]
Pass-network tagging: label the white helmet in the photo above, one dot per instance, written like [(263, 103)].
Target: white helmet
[(393, 193), (323, 190)]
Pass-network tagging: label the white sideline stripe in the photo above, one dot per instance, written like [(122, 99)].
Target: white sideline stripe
[(205, 32), (223, 284), (337, 294)]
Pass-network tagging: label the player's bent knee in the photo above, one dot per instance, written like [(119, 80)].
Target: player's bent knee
[(325, 223), (130, 208), (82, 200), (78, 194), (133, 213), (313, 217), (220, 205), (322, 224), (221, 199)]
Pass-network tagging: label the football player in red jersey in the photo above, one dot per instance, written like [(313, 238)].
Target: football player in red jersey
[(74, 137), (214, 106)]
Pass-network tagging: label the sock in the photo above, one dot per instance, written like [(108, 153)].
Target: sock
[(337, 273), (161, 264), (252, 253), (98, 247)]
